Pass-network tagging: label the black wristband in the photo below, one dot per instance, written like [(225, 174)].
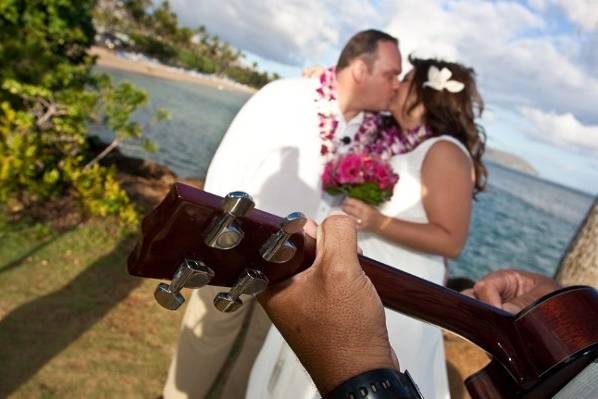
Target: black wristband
[(377, 384)]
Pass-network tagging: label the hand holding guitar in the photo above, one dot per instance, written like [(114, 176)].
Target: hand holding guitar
[(511, 290), (330, 314), (316, 310)]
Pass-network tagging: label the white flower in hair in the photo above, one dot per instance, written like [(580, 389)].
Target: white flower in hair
[(439, 80)]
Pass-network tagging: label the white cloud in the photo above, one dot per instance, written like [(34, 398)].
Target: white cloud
[(289, 32), (539, 5), (561, 129), (583, 13), (510, 46)]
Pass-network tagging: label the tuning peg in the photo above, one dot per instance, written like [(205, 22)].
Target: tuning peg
[(222, 233), (251, 282), (278, 248), (190, 274)]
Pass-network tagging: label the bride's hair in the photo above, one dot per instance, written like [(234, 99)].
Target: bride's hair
[(453, 113)]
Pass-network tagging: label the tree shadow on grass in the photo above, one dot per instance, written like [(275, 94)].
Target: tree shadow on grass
[(19, 261), (32, 334)]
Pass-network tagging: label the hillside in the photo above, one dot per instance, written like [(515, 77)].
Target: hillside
[(509, 160)]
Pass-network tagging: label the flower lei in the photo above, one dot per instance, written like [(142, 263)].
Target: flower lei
[(371, 137)]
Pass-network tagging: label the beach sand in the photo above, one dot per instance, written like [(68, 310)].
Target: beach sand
[(110, 59)]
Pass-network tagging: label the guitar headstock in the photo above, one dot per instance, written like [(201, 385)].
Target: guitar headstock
[(194, 238)]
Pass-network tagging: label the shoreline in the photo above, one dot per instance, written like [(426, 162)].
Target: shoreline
[(110, 59)]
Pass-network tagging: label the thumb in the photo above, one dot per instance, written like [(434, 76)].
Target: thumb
[(337, 244)]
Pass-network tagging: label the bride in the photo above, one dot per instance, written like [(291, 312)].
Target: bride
[(426, 220)]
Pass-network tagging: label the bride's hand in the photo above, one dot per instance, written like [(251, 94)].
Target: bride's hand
[(313, 71), (367, 217)]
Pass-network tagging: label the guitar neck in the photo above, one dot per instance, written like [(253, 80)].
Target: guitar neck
[(490, 328)]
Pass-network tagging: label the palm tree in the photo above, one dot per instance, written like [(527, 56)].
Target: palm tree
[(579, 265)]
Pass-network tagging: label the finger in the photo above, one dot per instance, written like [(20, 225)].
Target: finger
[(521, 301), (353, 202), (337, 213), (517, 303), (350, 211), (310, 228), (347, 205), (356, 216), (356, 206), (511, 308), (337, 244), (468, 292), (489, 291)]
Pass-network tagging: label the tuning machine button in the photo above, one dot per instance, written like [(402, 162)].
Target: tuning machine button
[(223, 233), (251, 282), (278, 248), (190, 274)]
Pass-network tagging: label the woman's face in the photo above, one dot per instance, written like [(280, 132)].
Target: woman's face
[(403, 101)]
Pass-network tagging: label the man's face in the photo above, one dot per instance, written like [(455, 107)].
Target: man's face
[(381, 83)]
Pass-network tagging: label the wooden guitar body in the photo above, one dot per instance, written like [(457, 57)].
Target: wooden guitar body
[(535, 353), (560, 333)]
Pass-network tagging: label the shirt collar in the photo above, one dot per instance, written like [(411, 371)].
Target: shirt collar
[(356, 120)]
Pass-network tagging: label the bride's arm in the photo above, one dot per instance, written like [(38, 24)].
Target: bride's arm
[(447, 186)]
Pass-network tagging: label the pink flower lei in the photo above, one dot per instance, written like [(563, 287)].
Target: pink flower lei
[(372, 137)]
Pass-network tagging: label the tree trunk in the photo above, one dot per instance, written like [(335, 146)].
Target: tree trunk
[(579, 265)]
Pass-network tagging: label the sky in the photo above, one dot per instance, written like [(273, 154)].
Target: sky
[(535, 60)]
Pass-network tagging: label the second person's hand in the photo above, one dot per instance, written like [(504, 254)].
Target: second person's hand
[(367, 217)]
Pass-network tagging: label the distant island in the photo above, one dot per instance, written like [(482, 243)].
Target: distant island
[(510, 161)]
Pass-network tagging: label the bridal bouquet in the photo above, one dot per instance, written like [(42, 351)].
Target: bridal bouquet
[(361, 176)]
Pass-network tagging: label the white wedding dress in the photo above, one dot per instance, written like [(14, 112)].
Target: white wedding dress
[(277, 373)]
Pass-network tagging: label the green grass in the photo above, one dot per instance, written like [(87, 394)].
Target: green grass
[(73, 323)]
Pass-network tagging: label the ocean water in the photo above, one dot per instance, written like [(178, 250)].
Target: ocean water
[(200, 116), (520, 221)]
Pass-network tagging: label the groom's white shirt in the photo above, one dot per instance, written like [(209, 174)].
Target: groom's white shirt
[(272, 149)]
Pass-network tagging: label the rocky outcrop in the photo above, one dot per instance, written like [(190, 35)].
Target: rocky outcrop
[(579, 265)]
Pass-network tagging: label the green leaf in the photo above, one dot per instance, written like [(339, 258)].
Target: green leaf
[(369, 193)]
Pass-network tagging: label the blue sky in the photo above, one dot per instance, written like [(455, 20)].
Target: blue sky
[(536, 60)]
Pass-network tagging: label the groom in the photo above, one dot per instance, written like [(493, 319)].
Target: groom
[(273, 150)]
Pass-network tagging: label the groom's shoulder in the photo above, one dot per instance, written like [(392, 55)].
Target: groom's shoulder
[(301, 87)]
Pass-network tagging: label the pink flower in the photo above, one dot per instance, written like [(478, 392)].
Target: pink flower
[(384, 176), (369, 168), (328, 175), (353, 174), (349, 169)]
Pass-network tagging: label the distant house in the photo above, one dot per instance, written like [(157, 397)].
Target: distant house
[(113, 40)]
